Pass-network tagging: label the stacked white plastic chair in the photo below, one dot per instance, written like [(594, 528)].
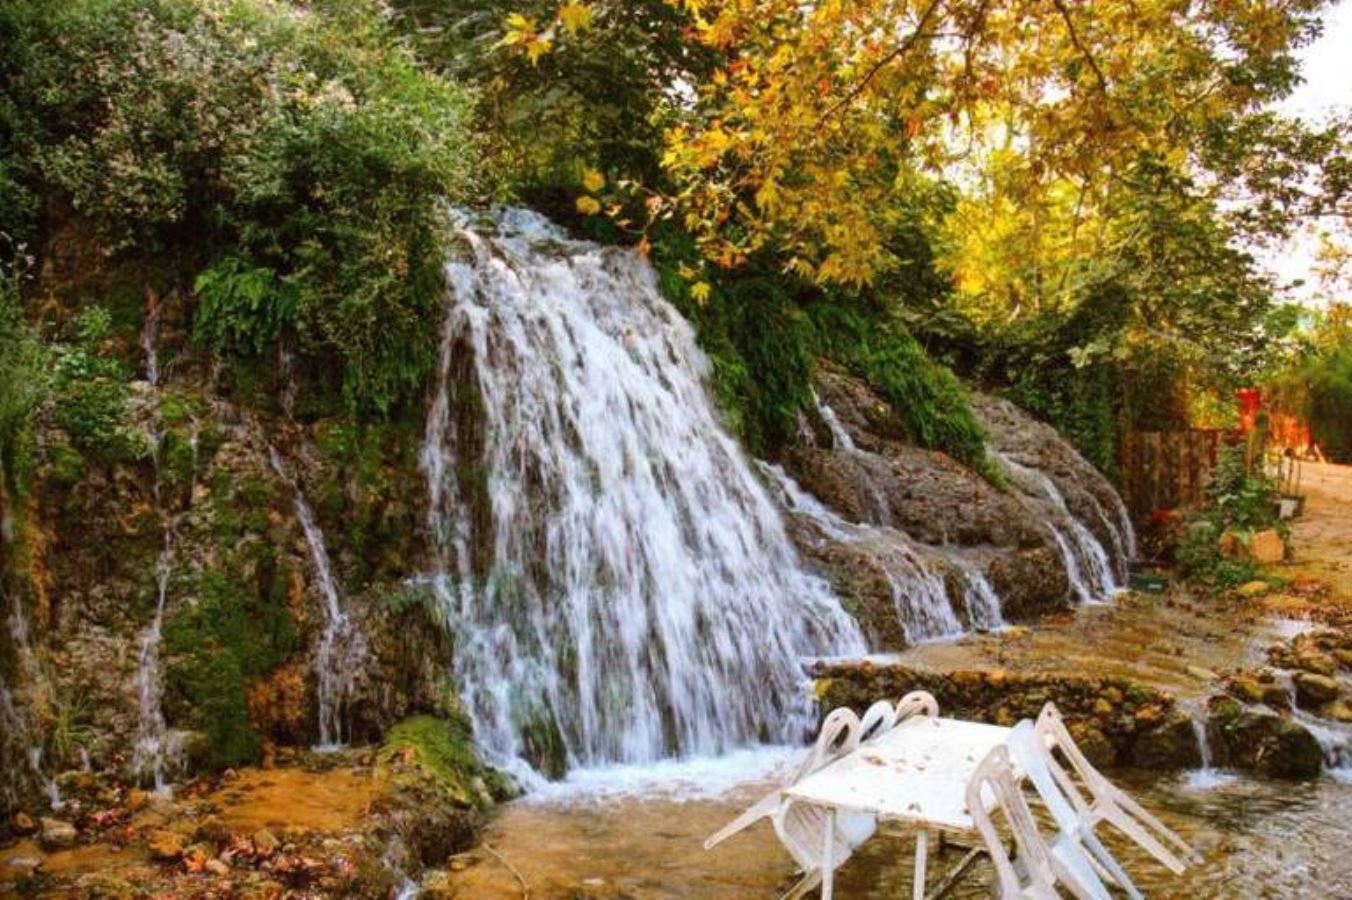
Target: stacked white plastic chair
[(801, 827), (994, 787), (1105, 801), (1075, 851)]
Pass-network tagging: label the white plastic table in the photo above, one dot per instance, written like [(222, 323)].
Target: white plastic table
[(915, 774)]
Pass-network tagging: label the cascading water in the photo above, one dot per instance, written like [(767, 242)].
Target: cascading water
[(918, 589), (19, 739), (155, 745), (1088, 566), (1206, 776), (979, 597), (619, 583), (341, 647)]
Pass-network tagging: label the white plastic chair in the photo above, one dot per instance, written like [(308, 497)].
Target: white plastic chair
[(994, 787), (839, 735), (1076, 851), (878, 719), (1106, 801), (917, 703)]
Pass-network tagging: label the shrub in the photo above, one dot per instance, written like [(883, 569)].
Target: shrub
[(300, 152), (90, 388)]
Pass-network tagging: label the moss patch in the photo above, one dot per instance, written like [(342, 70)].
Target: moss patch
[(444, 749)]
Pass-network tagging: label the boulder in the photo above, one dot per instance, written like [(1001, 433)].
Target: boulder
[(1267, 547), (1170, 745), (1313, 689), (1337, 710), (56, 834), (1262, 741)]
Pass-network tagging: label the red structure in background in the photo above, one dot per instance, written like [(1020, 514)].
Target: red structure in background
[(1284, 431)]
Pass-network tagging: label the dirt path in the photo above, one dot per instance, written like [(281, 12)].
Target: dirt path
[(1321, 538)]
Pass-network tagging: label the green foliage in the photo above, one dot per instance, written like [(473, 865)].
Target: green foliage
[(241, 309), (230, 636), (300, 152), (1238, 500), (927, 397), (22, 384), (90, 386), (600, 102)]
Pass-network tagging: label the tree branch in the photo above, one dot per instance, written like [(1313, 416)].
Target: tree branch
[(1084, 51), (900, 51)]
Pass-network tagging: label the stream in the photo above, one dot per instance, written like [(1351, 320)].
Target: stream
[(1259, 838)]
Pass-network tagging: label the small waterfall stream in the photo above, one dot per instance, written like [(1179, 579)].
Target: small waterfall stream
[(341, 646), (619, 581), (1206, 776), (1089, 567), (156, 747), (20, 737), (918, 589)]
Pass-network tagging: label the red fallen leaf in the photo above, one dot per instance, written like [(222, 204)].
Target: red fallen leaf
[(196, 862)]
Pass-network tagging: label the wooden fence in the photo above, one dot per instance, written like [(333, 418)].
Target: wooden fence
[(1168, 469)]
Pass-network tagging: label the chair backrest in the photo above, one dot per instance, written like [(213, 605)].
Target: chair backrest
[(1033, 758), (878, 720), (917, 702), (991, 788), (1053, 734), (839, 735)]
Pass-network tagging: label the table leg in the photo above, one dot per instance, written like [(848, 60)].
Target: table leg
[(921, 857), (828, 864)]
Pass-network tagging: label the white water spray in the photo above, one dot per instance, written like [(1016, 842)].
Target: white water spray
[(1088, 566), (619, 583), (919, 593), (341, 646)]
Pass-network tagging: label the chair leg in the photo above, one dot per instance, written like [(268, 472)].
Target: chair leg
[(805, 885), (921, 860)]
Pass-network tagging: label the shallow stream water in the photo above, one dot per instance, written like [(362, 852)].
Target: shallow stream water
[(1258, 837)]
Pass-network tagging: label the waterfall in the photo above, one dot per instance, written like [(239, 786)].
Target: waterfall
[(154, 745), (341, 647), (20, 741), (979, 597), (839, 435), (1205, 777), (150, 339), (619, 583), (1089, 568), (918, 589)]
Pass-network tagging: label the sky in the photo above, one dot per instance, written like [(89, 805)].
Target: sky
[(1327, 67)]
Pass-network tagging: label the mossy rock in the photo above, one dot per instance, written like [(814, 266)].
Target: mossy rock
[(444, 749)]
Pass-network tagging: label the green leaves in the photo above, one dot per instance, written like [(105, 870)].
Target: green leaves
[(241, 309)]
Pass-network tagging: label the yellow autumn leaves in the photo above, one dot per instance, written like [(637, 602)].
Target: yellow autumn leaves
[(523, 33)]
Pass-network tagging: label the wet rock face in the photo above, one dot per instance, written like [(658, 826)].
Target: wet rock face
[(853, 457), (242, 614), (1260, 740), (1089, 496)]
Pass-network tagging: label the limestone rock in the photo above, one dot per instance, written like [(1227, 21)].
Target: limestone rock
[(1265, 742), (1267, 547), (1200, 673), (1253, 589), (56, 834), (1313, 689), (1344, 657), (1338, 710)]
